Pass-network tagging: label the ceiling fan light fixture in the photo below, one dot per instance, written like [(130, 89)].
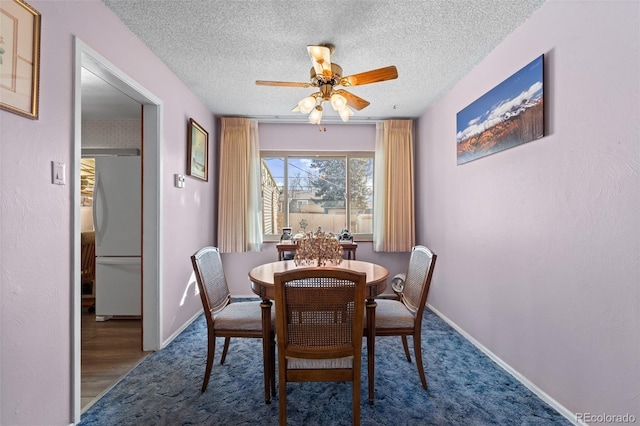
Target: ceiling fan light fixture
[(316, 115), (345, 113), (307, 104), (321, 58), (338, 102)]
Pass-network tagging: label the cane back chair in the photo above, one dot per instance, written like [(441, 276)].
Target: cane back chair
[(403, 316), (224, 319), (319, 324)]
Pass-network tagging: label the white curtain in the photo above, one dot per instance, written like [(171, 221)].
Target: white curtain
[(239, 216), (254, 225), (394, 220)]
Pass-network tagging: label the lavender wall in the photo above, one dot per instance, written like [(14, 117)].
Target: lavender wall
[(305, 136), (36, 222), (539, 245)]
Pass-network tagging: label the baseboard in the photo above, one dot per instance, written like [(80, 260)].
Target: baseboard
[(506, 367), (181, 329)]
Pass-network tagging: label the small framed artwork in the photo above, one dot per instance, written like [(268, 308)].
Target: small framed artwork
[(509, 115), (198, 151), (19, 58)]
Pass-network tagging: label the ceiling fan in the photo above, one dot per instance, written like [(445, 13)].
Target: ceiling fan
[(326, 76)]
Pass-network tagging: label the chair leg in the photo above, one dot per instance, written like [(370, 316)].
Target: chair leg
[(282, 397), (225, 349), (211, 350), (356, 402), (273, 366), (417, 349), (406, 348)]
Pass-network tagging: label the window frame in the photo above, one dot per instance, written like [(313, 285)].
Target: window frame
[(347, 155)]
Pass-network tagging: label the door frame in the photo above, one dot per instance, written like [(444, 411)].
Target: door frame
[(86, 57)]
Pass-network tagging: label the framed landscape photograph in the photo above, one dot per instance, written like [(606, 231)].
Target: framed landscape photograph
[(19, 58), (509, 115), (198, 151)]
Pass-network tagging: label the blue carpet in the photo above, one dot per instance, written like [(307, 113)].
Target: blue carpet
[(465, 388)]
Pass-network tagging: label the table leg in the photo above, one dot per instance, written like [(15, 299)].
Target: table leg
[(371, 339), (266, 348)]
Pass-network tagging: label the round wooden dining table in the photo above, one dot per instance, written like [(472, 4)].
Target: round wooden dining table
[(262, 284)]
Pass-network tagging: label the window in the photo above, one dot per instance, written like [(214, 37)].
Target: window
[(307, 192)]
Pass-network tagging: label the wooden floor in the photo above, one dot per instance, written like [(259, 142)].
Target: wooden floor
[(109, 350)]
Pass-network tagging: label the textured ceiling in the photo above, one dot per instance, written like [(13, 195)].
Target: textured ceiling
[(219, 48)]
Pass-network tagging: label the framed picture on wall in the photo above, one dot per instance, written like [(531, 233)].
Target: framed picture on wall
[(198, 151), (19, 58), (509, 115)]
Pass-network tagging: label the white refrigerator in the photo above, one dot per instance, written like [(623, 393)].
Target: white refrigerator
[(117, 219)]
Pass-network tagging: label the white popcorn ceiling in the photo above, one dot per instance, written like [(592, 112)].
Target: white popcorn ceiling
[(219, 48)]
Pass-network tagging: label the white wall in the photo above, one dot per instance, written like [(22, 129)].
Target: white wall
[(36, 216), (112, 133), (539, 245)]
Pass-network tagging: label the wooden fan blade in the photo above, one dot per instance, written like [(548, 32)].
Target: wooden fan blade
[(321, 59), (353, 101), (282, 83), (373, 76)]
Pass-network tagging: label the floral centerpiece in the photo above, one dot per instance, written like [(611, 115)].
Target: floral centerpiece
[(318, 247)]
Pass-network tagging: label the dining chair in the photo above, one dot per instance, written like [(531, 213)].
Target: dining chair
[(403, 316), (224, 319), (319, 324)]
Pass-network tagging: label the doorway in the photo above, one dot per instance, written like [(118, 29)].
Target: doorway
[(111, 325), (87, 58)]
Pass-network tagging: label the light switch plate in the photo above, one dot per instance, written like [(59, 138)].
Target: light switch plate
[(58, 170)]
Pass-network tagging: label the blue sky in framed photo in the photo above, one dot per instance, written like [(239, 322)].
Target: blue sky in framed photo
[(503, 101)]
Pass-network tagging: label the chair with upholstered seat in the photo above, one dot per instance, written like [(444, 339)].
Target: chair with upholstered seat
[(319, 323), (403, 316), (224, 319)]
